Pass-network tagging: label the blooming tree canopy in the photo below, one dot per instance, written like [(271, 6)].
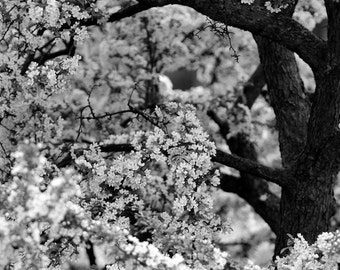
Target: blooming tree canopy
[(98, 148)]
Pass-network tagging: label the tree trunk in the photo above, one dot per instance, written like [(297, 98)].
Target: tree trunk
[(308, 203), (305, 208), (308, 143)]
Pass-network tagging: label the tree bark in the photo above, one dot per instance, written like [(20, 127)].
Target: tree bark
[(287, 97), (306, 144), (306, 208), (308, 203)]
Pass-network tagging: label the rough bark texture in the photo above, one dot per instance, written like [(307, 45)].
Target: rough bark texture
[(306, 208), (307, 202), (249, 165), (286, 92)]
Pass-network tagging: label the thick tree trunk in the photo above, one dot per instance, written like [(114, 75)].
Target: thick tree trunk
[(305, 208), (307, 204), (287, 97), (307, 142)]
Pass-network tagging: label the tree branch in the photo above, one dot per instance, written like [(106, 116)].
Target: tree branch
[(253, 87), (277, 176), (67, 160), (91, 255), (333, 31), (254, 18), (121, 14), (323, 139), (264, 201), (259, 21)]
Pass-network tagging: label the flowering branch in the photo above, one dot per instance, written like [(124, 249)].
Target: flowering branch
[(276, 176), (69, 49), (104, 148)]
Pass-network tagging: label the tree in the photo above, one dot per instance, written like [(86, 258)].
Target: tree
[(106, 156)]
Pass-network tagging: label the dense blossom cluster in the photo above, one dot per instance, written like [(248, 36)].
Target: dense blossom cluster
[(165, 184), (323, 254), (274, 7), (310, 13), (172, 208)]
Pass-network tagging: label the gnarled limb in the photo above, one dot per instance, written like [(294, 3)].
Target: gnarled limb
[(253, 18), (333, 31), (323, 141), (277, 176), (253, 87), (259, 21), (257, 194)]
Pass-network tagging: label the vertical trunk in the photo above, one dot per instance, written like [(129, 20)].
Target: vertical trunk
[(287, 97), (309, 143), (305, 208), (308, 204)]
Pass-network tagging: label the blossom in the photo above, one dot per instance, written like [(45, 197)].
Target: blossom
[(273, 9), (323, 254), (52, 13), (249, 2)]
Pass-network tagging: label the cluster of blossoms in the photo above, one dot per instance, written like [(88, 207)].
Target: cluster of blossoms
[(47, 216), (310, 13), (248, 2), (274, 7), (151, 256), (52, 75), (33, 34), (35, 207), (323, 254), (161, 191)]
